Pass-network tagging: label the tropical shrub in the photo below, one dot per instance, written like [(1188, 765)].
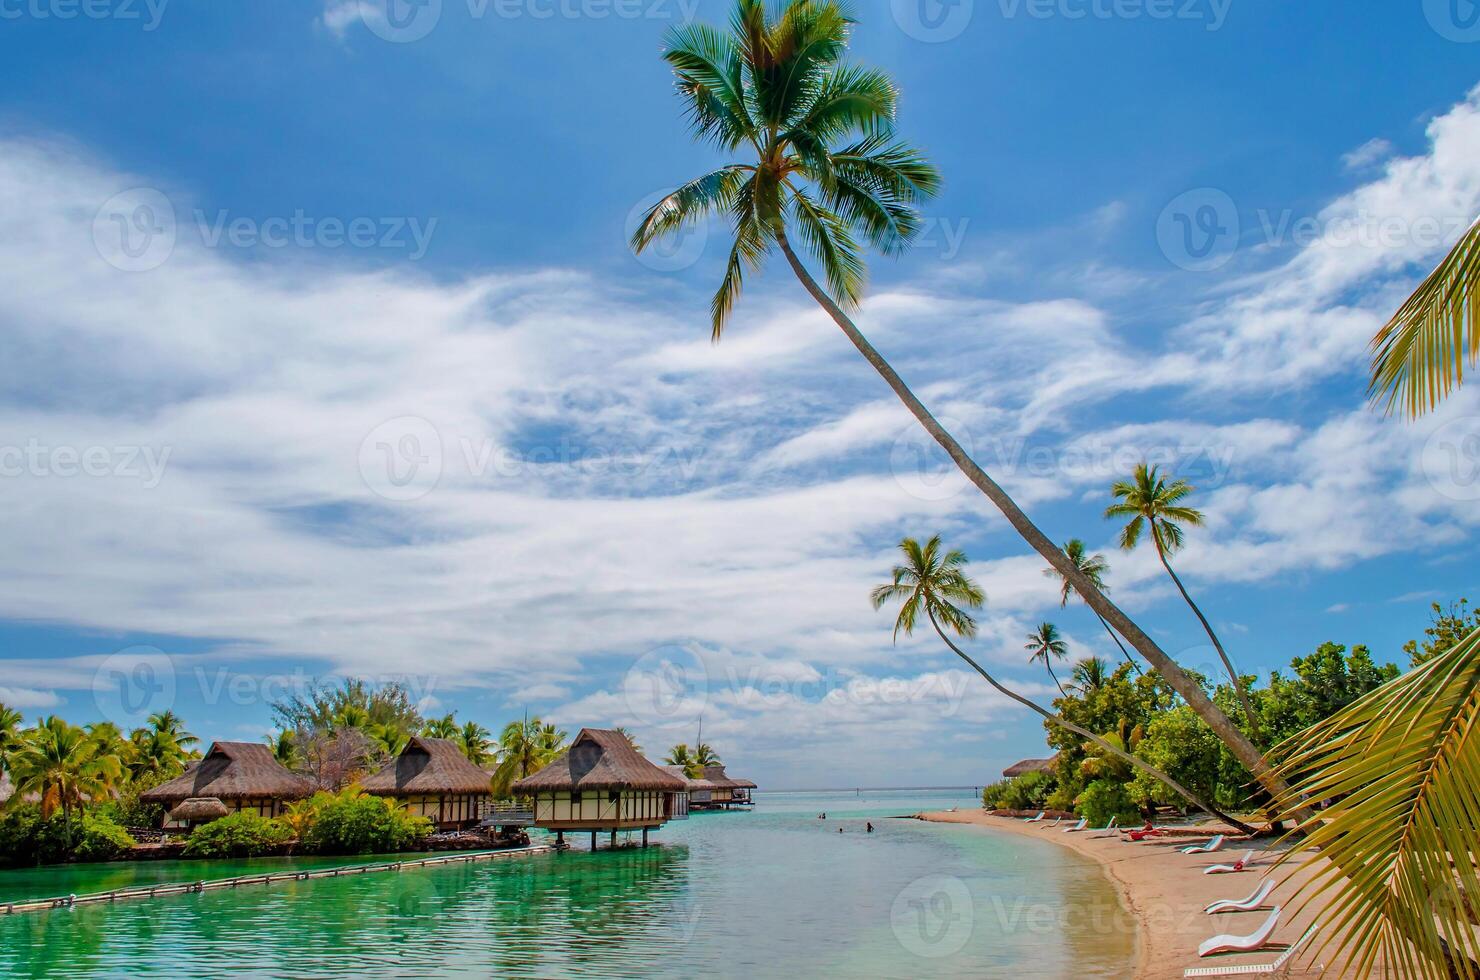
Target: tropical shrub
[(100, 839), (238, 835), (353, 823), (28, 839), (1104, 799), (1026, 792)]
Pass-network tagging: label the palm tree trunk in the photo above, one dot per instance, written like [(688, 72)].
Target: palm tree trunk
[(1114, 636), (1191, 691), (1101, 743), (1055, 677), (1238, 684)]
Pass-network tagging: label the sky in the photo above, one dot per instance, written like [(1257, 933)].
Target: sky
[(324, 356)]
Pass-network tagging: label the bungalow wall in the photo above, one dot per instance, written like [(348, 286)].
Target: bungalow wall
[(605, 807), (262, 806), (448, 811)]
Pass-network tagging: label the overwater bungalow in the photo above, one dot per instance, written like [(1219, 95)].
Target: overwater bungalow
[(435, 780), (699, 790), (728, 792), (601, 783), (238, 776)]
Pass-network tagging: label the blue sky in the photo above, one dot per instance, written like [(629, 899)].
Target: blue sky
[(325, 355)]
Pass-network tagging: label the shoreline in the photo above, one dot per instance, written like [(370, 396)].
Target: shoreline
[(1165, 892)]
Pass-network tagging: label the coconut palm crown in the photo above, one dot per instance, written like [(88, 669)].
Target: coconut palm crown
[(932, 582), (820, 154)]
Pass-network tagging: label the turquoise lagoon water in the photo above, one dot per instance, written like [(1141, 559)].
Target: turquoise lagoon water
[(774, 892)]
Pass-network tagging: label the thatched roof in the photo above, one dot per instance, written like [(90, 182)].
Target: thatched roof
[(1029, 765), (198, 809), (596, 760), (432, 766), (716, 775), (694, 785), (232, 770)]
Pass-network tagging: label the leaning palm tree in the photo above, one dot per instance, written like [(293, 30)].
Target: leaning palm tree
[(821, 160), (1422, 352), (65, 767), (933, 583), (1092, 567), (1045, 644), (524, 747), (1150, 501), (1394, 851)]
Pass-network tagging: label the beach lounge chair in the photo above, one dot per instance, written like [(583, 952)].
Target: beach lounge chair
[(1077, 827), (1244, 904), (1108, 830), (1041, 815), (1242, 864), (1242, 944), (1056, 821), (1213, 845), (1279, 968)]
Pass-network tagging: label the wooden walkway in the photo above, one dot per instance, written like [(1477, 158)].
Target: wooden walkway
[(191, 888)]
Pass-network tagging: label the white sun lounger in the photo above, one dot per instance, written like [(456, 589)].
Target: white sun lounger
[(1109, 829), (1077, 827), (1056, 821), (1242, 944), (1213, 845), (1242, 864), (1245, 904), (1279, 968), (1041, 815)]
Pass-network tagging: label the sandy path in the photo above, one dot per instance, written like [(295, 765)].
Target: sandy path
[(1166, 892)]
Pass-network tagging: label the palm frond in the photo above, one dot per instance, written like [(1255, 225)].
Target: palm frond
[(1399, 771), (827, 237), (707, 68), (710, 194), (1420, 355)]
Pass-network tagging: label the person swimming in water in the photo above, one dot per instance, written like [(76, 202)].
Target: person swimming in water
[(870, 827)]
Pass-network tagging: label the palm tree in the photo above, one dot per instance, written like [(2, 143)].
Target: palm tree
[(66, 767), (1092, 567), (680, 755), (1149, 500), (934, 584), (387, 740), (1045, 644), (169, 723), (525, 747), (473, 739), (1393, 849), (631, 739), (154, 753), (10, 727), (1090, 675), (285, 748), (777, 87), (1421, 353), (444, 727), (705, 756)]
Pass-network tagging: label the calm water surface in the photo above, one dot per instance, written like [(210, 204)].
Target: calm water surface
[(770, 893)]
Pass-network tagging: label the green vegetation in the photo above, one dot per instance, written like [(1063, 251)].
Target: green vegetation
[(28, 838), (1026, 792), (238, 835)]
